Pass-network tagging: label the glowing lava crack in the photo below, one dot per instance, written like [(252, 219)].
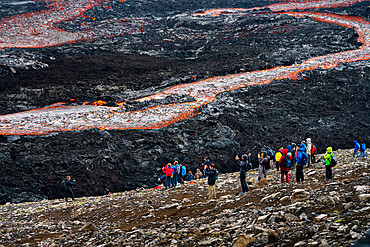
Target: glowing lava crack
[(67, 118)]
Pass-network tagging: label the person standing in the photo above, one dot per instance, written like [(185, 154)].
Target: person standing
[(285, 164), (328, 159), (263, 162), (362, 149), (167, 170), (302, 160), (357, 148), (212, 175), (308, 151), (182, 175), (242, 164), (206, 162), (67, 188)]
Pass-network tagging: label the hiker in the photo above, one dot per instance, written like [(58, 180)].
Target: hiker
[(249, 161), (242, 164), (301, 160), (67, 189), (362, 149), (182, 175), (263, 164), (212, 175), (313, 154), (167, 170), (176, 173), (308, 151), (190, 176), (198, 174), (328, 163), (357, 148), (285, 163)]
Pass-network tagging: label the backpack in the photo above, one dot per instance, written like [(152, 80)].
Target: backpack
[(63, 185), (216, 176), (177, 172), (287, 161), (333, 161), (267, 165), (301, 158), (357, 146), (363, 147)]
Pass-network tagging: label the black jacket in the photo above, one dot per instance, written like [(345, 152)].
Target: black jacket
[(243, 165), (211, 173)]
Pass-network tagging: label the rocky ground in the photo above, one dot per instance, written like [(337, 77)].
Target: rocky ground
[(315, 213), (330, 106)]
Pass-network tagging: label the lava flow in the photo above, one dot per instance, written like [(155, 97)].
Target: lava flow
[(67, 118)]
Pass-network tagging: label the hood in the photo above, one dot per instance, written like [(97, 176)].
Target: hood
[(330, 149), (356, 142), (308, 140), (303, 147), (289, 148), (284, 151)]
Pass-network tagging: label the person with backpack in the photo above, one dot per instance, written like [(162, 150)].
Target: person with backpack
[(362, 149), (308, 151), (328, 163), (263, 165), (67, 188), (301, 160), (285, 163), (357, 148), (167, 170), (212, 175), (242, 164), (294, 149)]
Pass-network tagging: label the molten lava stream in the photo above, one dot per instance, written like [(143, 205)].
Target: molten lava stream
[(62, 118)]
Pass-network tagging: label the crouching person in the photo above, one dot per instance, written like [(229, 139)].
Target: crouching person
[(212, 175)]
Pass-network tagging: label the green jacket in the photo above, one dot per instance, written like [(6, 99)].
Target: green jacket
[(328, 155)]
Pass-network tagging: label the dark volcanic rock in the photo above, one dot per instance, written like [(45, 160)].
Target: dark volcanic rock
[(330, 106)]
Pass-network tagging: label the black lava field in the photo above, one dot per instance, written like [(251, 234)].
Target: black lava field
[(110, 91)]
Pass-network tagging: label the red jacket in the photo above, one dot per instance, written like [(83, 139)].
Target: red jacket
[(282, 159), (167, 171)]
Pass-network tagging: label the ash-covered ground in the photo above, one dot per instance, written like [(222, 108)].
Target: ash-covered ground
[(166, 45)]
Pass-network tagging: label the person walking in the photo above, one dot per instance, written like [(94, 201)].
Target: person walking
[(301, 160), (212, 175), (328, 160), (242, 164), (67, 188)]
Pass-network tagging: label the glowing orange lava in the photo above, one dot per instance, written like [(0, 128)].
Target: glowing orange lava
[(68, 118)]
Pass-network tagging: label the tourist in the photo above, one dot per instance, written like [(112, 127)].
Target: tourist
[(212, 175), (242, 164), (308, 151), (67, 188), (206, 162), (263, 164), (313, 154), (190, 176), (285, 163), (182, 175), (357, 148), (198, 174), (301, 160), (167, 170), (176, 173), (278, 155), (328, 163), (362, 149)]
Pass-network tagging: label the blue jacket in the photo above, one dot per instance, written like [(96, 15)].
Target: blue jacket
[(357, 146), (183, 170), (302, 156), (363, 147)]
